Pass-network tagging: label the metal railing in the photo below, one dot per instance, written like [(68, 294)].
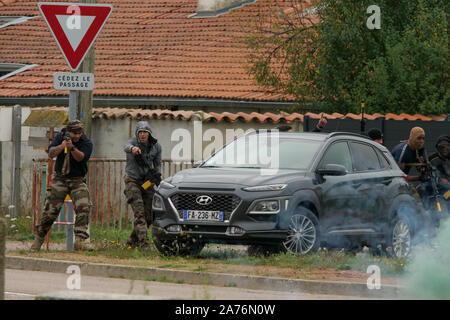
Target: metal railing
[(106, 189)]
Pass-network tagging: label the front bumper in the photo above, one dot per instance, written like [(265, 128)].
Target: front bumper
[(220, 234), (238, 227)]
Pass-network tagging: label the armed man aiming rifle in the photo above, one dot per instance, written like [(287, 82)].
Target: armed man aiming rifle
[(142, 173), (73, 150), (434, 190)]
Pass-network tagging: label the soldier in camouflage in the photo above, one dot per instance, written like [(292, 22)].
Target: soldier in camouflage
[(142, 173), (73, 150)]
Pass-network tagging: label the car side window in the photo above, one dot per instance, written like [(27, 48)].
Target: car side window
[(383, 161), (337, 153), (364, 157)]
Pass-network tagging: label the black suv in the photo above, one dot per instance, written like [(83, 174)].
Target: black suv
[(289, 191)]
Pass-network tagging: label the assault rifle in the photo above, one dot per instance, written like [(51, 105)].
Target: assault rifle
[(67, 138), (430, 174), (153, 177)]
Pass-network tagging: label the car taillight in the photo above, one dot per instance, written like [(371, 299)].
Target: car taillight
[(405, 176)]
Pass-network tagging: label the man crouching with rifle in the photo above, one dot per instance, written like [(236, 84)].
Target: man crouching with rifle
[(142, 173)]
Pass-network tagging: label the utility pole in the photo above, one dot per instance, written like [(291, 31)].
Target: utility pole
[(85, 98)]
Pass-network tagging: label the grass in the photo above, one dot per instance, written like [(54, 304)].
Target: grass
[(214, 258)]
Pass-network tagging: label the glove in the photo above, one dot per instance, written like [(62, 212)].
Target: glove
[(154, 177)]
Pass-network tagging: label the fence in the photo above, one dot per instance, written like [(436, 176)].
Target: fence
[(394, 131), (105, 180)]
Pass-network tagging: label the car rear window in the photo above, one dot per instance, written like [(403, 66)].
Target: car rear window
[(364, 157)]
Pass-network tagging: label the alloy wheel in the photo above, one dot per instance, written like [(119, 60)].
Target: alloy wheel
[(301, 236), (401, 239)]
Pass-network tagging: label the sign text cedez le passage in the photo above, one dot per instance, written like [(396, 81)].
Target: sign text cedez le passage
[(74, 77), (77, 80), (73, 81)]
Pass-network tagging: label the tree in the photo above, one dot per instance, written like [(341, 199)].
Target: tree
[(329, 58)]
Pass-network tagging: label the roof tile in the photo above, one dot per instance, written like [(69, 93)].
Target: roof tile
[(183, 115), (147, 48)]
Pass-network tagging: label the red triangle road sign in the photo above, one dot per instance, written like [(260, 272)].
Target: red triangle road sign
[(75, 26)]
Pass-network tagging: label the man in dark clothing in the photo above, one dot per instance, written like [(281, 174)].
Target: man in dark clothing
[(73, 150), (142, 172), (411, 153), (441, 160), (376, 135)]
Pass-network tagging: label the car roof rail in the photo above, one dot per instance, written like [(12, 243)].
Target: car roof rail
[(343, 133)]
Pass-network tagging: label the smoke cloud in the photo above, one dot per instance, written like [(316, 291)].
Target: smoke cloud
[(428, 274)]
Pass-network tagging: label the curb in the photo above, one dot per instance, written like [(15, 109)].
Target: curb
[(84, 295), (205, 278)]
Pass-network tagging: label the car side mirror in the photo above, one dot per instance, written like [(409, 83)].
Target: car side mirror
[(332, 170), (197, 164)]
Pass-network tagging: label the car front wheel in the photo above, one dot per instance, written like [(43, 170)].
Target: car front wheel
[(303, 233), (182, 247)]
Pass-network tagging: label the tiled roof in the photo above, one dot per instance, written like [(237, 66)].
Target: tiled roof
[(121, 113), (146, 48)]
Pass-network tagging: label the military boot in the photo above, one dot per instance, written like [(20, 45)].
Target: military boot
[(132, 240), (83, 244), (144, 245), (38, 241)]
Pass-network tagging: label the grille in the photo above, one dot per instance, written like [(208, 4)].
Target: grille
[(220, 202)]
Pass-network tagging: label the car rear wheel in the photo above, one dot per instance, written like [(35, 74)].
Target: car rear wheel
[(303, 233), (400, 237)]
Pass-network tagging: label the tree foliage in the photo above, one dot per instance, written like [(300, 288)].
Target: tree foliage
[(329, 58)]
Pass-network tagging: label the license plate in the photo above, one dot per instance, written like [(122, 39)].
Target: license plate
[(203, 215)]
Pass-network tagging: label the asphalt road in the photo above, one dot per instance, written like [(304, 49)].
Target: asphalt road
[(27, 285)]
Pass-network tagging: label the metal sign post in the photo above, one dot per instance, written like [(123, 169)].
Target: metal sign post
[(72, 105), (14, 208)]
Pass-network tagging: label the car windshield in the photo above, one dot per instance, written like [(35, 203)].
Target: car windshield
[(266, 151)]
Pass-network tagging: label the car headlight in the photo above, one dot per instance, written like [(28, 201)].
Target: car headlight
[(157, 202), (265, 206), (270, 187), (166, 185)]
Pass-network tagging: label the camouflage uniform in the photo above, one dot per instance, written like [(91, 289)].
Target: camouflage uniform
[(78, 191), (141, 203)]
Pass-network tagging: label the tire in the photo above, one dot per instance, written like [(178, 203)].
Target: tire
[(400, 237), (166, 247), (303, 234), (190, 247), (182, 247)]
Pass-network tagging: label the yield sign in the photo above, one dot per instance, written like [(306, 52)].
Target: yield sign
[(75, 26)]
